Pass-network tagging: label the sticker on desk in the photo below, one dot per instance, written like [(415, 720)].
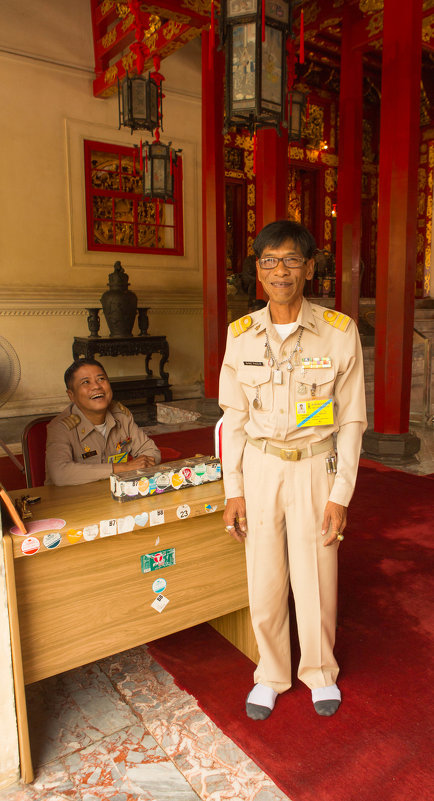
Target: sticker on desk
[(143, 486), (125, 524), (157, 560), (160, 602), (90, 533), (159, 585), (73, 535), (314, 413), (30, 546), (52, 540), (108, 528), (183, 511), (209, 508), (156, 517), (141, 519), (34, 526)]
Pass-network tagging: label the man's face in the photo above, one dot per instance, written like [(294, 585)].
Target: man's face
[(284, 285), (90, 390)]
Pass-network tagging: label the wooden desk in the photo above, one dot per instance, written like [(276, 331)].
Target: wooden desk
[(84, 601)]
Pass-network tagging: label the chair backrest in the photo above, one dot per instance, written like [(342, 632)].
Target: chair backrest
[(33, 441), (218, 434)]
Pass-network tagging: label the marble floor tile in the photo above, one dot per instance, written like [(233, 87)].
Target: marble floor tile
[(72, 710)]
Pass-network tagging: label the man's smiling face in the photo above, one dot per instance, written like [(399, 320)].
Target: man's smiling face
[(90, 390), (284, 285)]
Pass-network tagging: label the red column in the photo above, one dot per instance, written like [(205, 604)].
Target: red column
[(213, 218), (271, 180), (349, 206), (397, 213)]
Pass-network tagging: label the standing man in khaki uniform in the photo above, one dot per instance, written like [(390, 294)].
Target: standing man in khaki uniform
[(292, 376), (94, 436)]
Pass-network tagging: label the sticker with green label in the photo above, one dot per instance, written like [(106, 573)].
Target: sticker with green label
[(157, 560)]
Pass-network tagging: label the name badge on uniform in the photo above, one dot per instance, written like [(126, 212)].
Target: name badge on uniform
[(254, 364), (314, 413), (118, 457), (87, 454)]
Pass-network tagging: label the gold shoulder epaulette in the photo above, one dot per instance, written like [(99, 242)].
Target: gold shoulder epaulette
[(71, 421), (336, 319), (123, 409), (239, 326)]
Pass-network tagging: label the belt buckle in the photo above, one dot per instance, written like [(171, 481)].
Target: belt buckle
[(290, 454)]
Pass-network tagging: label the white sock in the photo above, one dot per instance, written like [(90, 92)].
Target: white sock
[(331, 693), (262, 696)]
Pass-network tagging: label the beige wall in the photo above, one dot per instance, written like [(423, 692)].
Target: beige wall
[(48, 276)]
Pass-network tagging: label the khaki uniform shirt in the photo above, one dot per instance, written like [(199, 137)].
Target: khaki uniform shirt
[(76, 453), (246, 376)]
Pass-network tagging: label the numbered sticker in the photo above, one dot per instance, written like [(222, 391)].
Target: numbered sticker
[(160, 602), (108, 528), (156, 517), (183, 511)]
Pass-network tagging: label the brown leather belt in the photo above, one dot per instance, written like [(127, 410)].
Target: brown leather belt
[(292, 454)]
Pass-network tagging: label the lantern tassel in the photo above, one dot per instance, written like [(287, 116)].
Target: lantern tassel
[(302, 37), (254, 153)]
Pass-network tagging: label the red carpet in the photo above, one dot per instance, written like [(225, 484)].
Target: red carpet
[(378, 747)]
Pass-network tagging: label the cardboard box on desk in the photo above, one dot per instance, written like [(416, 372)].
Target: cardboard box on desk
[(165, 478)]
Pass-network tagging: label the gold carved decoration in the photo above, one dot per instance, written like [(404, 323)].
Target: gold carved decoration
[(106, 6), (296, 153), (367, 150), (420, 241), (128, 61), (314, 126), (201, 6), (110, 75), (122, 10), (248, 165), (327, 229), (251, 195), (251, 220), (428, 28), (421, 203), (329, 158), (375, 24), (329, 180), (421, 178), (109, 38), (368, 6), (328, 206), (171, 29), (129, 20)]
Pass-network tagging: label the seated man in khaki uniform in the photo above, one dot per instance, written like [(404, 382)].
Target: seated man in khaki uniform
[(292, 377), (94, 436)]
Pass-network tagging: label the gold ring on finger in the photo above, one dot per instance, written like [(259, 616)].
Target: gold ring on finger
[(339, 537)]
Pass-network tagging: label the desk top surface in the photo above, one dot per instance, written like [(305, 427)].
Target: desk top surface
[(69, 516)]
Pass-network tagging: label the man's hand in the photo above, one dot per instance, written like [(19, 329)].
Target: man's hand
[(139, 463), (234, 518), (335, 519)]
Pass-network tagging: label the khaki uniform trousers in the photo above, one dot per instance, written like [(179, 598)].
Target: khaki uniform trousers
[(285, 504)]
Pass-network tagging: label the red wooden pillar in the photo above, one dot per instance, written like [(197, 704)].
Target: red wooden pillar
[(213, 216), (349, 206), (271, 180), (397, 216)]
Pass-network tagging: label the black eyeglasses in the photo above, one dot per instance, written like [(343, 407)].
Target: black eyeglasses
[(293, 262)]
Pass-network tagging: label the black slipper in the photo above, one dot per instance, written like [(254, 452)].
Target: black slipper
[(327, 708)]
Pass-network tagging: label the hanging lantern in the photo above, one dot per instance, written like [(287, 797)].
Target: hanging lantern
[(158, 163), (296, 105), (139, 102), (255, 33)]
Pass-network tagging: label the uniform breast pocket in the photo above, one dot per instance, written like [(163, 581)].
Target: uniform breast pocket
[(256, 383), (314, 383)]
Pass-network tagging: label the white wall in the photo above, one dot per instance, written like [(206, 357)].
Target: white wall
[(48, 276)]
